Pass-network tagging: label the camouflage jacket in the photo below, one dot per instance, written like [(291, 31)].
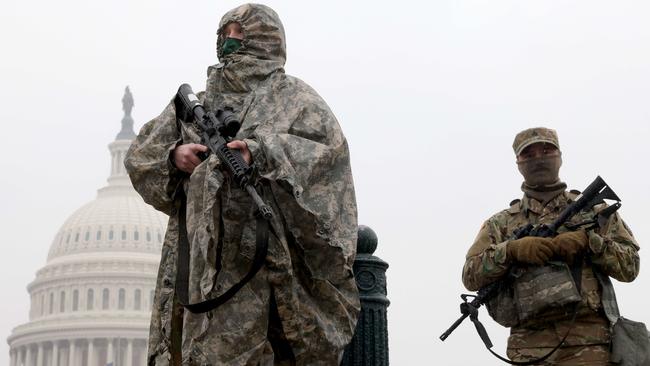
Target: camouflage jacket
[(612, 250), (302, 160)]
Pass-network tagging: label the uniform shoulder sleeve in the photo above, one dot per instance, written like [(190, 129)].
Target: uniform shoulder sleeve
[(615, 251), (486, 259)]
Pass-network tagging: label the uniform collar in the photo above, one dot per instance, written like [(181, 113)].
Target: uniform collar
[(526, 203), (530, 204)]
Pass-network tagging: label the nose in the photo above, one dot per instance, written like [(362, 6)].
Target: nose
[(235, 32)]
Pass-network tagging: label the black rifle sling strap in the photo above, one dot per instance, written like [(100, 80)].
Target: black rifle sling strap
[(576, 273), (183, 262)]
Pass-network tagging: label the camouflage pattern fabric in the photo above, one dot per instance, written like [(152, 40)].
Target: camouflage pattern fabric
[(302, 160), (612, 250), (593, 355), (534, 135)]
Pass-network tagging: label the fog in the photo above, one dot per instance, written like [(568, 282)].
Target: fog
[(429, 95)]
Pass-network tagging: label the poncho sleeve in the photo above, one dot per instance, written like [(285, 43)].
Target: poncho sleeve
[(305, 156), (148, 162)]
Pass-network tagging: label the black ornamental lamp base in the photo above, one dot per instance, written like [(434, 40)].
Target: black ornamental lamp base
[(369, 346)]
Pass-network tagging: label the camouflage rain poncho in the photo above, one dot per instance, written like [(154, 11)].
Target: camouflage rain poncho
[(303, 160)]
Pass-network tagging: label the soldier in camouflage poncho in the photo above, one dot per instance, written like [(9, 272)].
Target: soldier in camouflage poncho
[(301, 308), (611, 250)]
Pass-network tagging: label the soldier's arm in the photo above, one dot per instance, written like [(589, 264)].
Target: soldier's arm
[(148, 162), (615, 251), (486, 259)]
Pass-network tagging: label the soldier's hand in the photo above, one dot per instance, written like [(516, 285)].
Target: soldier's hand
[(243, 149), (570, 245), (185, 157), (530, 249)]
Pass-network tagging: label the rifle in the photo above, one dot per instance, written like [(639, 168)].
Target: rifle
[(595, 193), (216, 131)]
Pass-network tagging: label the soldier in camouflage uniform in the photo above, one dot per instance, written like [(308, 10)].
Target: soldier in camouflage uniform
[(301, 308), (611, 250)]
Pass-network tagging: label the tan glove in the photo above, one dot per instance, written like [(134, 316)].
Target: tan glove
[(571, 244), (530, 249)]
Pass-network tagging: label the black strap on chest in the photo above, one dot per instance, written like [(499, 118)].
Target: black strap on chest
[(183, 262), (468, 309)]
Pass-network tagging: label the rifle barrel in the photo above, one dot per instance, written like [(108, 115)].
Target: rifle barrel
[(453, 327)]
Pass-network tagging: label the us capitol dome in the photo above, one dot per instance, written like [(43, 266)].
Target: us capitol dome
[(91, 302)]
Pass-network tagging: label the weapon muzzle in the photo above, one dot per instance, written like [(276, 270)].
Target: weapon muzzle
[(190, 100), (185, 102)]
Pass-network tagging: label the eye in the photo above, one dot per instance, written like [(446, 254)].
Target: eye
[(549, 150)]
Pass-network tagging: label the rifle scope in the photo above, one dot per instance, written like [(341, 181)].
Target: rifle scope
[(229, 124)]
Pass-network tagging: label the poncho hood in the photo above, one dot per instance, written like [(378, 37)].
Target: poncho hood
[(263, 33), (262, 53)]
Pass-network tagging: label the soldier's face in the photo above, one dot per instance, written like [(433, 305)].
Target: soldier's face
[(537, 150), (233, 30), (540, 164)]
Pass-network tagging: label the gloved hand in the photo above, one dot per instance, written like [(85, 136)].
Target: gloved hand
[(530, 249), (570, 244)]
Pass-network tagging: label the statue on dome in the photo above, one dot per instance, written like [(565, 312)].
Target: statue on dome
[(127, 101)]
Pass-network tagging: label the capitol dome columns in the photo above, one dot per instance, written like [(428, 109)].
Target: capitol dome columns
[(92, 360), (110, 353), (71, 352), (129, 352), (55, 354), (39, 355), (28, 356), (12, 357), (97, 351)]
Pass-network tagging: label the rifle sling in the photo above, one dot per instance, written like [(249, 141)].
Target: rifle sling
[(183, 262)]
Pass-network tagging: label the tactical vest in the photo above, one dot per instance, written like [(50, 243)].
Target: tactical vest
[(531, 293)]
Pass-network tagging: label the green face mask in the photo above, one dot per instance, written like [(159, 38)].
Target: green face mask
[(230, 45)]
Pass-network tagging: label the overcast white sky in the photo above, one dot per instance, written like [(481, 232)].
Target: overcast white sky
[(430, 96)]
